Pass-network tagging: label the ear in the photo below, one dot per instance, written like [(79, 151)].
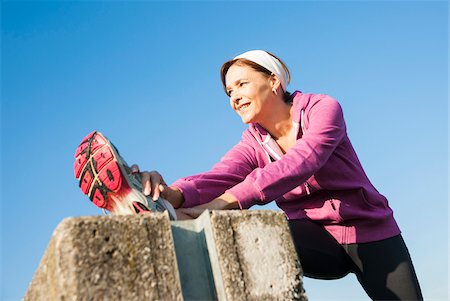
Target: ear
[(274, 82)]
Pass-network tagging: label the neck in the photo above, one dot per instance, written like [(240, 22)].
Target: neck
[(279, 122)]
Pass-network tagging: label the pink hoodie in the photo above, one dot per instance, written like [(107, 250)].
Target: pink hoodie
[(320, 178)]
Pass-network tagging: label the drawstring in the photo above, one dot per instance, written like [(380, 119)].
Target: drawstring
[(262, 146), (265, 144), (302, 122)]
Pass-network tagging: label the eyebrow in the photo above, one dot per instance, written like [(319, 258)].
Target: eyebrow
[(235, 83)]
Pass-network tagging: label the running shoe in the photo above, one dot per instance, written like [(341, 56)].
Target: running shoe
[(107, 180)]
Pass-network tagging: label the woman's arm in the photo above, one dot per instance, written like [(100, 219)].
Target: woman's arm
[(204, 187), (325, 131), (223, 202), (231, 170)]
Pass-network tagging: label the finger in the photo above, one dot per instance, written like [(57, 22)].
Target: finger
[(155, 182), (146, 187), (134, 168)]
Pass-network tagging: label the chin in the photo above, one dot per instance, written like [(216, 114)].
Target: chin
[(246, 120)]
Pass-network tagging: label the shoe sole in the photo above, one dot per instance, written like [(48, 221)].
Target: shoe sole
[(107, 180)]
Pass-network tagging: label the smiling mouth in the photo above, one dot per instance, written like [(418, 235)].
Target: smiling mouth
[(243, 107)]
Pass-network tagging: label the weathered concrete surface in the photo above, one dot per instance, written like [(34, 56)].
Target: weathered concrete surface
[(222, 255), (109, 258), (253, 256)]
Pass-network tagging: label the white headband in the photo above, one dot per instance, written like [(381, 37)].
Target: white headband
[(267, 61)]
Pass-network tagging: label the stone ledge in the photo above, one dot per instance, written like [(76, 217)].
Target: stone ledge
[(222, 255), (256, 255), (108, 258)]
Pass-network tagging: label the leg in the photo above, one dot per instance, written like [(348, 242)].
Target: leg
[(385, 270), (321, 256)]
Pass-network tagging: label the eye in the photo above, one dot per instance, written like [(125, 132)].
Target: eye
[(242, 83), (229, 92)]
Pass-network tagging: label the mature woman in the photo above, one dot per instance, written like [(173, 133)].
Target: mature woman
[(296, 151)]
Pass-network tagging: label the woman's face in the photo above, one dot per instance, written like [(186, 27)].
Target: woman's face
[(250, 92)]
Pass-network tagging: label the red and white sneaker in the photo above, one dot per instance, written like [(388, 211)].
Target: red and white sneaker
[(107, 180)]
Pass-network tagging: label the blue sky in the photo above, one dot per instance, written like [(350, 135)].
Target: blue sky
[(146, 74)]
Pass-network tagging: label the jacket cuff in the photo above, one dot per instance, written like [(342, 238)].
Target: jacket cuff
[(247, 194), (190, 193)]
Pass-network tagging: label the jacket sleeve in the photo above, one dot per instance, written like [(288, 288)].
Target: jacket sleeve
[(231, 170), (325, 131)]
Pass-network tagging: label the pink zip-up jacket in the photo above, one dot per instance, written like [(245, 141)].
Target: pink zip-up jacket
[(320, 178)]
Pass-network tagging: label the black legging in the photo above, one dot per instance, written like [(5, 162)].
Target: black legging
[(383, 268)]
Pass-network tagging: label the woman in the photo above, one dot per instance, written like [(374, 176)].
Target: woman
[(296, 151)]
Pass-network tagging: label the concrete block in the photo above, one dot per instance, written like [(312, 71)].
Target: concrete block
[(238, 255), (109, 258), (255, 258), (222, 255)]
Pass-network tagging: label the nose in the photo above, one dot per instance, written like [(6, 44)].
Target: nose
[(235, 98)]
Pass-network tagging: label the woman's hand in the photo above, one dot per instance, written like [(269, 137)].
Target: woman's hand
[(223, 202), (154, 185)]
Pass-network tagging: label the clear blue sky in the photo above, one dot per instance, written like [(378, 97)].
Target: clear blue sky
[(146, 74)]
